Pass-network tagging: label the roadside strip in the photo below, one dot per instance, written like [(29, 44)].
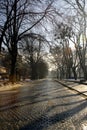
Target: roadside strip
[(74, 88)]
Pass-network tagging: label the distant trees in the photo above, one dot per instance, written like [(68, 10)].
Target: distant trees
[(42, 69), (33, 51), (62, 51), (79, 25), (65, 57), (22, 69), (73, 30), (6, 61), (56, 59)]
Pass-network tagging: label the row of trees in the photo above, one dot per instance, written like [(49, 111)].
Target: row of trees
[(72, 31), (21, 32)]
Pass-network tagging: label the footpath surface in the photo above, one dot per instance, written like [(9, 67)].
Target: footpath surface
[(80, 88)]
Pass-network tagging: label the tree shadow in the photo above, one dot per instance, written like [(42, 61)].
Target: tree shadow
[(39, 95), (44, 121), (34, 96), (31, 99)]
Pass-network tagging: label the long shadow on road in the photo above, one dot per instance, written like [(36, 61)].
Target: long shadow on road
[(33, 98), (39, 95), (44, 121)]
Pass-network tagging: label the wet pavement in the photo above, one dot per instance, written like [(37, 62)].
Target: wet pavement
[(47, 105)]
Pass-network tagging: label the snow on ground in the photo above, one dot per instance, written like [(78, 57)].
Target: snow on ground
[(9, 86)]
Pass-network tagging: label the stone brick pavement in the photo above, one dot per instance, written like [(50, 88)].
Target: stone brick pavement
[(47, 105)]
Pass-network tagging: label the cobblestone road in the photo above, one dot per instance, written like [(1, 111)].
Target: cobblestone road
[(46, 105)]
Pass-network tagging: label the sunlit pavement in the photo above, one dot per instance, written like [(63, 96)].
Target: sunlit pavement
[(78, 87), (46, 105)]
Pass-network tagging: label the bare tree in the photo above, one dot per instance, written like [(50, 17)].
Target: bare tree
[(63, 33), (20, 19), (56, 59), (79, 25), (33, 51)]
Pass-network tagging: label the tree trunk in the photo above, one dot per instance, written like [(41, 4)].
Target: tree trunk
[(14, 46), (85, 74), (12, 76), (34, 74), (74, 72), (83, 66), (1, 40)]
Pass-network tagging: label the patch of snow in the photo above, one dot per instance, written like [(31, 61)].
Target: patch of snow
[(9, 86), (84, 127)]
